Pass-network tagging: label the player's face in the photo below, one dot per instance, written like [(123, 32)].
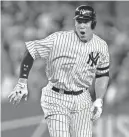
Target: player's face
[(83, 28)]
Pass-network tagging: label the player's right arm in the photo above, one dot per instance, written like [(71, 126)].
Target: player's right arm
[(20, 91), (35, 49)]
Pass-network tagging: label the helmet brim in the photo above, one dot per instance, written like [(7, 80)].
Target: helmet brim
[(82, 17)]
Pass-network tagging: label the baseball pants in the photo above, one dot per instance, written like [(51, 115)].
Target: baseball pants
[(67, 115)]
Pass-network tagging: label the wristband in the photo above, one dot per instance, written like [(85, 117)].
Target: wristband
[(22, 80)]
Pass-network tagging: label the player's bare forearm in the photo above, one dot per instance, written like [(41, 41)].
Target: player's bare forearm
[(101, 84), (26, 65)]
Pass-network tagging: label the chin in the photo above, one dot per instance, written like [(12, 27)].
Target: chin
[(83, 38)]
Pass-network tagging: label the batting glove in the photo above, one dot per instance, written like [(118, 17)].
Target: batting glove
[(96, 109), (19, 92)]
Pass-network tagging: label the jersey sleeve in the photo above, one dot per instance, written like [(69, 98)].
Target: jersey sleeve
[(104, 63), (41, 48)]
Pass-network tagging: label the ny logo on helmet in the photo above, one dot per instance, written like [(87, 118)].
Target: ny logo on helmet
[(93, 58), (85, 12)]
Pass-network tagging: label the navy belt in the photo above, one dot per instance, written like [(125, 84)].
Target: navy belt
[(67, 92)]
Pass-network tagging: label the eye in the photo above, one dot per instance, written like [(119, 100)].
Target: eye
[(85, 21), (79, 21), (82, 21)]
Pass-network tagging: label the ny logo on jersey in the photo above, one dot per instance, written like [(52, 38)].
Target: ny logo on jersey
[(93, 58)]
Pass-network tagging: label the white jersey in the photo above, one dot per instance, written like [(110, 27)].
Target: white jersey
[(71, 63)]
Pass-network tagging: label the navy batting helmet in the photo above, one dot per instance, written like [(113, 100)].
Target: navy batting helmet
[(86, 12)]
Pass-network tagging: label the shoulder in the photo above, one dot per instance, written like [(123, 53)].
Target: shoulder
[(61, 34), (99, 39), (64, 32), (100, 42)]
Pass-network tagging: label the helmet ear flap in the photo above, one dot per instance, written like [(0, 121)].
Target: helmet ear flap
[(93, 24), (94, 21)]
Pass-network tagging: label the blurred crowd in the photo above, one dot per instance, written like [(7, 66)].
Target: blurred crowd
[(29, 20)]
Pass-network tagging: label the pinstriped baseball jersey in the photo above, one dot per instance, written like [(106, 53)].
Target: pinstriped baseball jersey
[(71, 63)]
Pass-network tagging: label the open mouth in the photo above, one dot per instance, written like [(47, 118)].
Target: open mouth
[(82, 32)]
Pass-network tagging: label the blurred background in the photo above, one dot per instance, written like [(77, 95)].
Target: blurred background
[(29, 20)]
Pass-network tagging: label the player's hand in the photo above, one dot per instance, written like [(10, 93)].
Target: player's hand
[(96, 109), (19, 92)]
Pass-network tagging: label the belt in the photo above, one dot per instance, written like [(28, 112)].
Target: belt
[(67, 92)]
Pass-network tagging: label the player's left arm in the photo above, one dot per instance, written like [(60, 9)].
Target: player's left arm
[(101, 82), (101, 85)]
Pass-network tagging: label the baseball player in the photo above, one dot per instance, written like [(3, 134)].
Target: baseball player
[(74, 59)]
